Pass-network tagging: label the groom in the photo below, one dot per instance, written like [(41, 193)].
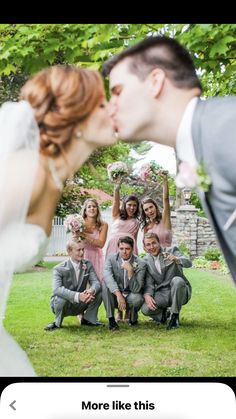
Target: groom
[(76, 288), (156, 95)]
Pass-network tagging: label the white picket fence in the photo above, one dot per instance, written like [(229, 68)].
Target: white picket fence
[(58, 239)]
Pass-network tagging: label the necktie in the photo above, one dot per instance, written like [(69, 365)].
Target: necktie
[(77, 269), (158, 265), (125, 279)]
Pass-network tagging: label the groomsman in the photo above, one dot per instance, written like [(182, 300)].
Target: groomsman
[(166, 285), (124, 277), (76, 288)]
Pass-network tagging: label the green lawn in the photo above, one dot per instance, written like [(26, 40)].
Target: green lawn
[(204, 345)]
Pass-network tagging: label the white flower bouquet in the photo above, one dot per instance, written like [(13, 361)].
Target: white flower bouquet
[(117, 170), (150, 172), (74, 224)]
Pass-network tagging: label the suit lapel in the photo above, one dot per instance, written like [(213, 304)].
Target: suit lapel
[(120, 270), (153, 267)]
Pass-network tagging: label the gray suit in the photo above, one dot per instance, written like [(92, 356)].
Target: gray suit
[(170, 288), (114, 279), (214, 140), (66, 286)]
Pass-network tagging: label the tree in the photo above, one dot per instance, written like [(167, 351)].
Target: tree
[(27, 48)]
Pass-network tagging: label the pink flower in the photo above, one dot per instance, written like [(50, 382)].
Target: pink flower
[(74, 223), (187, 176)]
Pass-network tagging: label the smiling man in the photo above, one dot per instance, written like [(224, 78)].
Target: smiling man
[(166, 285), (124, 277)]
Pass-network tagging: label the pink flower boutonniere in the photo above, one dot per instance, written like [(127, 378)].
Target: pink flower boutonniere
[(192, 177), (84, 266)]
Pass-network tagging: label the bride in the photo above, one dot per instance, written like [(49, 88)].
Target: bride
[(44, 139)]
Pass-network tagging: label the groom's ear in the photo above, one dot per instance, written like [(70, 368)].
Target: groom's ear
[(156, 78)]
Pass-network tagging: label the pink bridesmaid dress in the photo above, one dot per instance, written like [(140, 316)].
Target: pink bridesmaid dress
[(95, 255), (165, 235), (120, 228)]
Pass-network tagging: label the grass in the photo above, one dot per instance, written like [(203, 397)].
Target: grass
[(204, 345)]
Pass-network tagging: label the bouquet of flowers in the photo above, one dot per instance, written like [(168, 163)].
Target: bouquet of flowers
[(117, 170), (74, 224), (150, 172)]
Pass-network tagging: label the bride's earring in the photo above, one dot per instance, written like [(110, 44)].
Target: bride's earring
[(79, 135)]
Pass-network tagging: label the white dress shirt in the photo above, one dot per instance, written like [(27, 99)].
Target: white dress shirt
[(184, 140), (76, 266), (157, 263)]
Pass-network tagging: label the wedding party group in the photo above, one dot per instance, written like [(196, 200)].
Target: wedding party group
[(155, 284), (61, 117)]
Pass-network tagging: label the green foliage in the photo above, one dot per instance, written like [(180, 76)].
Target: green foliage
[(184, 249), (224, 269), (30, 47), (195, 200), (201, 262), (204, 180), (71, 200), (142, 255), (212, 254)]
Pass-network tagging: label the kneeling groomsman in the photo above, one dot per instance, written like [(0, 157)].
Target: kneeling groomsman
[(124, 277), (166, 285), (76, 288)]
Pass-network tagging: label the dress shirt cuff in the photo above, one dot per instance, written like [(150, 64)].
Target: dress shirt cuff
[(117, 289), (76, 297)]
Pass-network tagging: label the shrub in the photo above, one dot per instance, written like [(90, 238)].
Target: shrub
[(212, 254), (184, 249), (201, 262)]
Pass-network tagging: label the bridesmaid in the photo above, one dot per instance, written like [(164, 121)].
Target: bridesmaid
[(95, 235), (125, 220), (125, 223), (153, 220)]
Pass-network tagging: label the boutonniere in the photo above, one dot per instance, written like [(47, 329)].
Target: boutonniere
[(192, 177), (84, 266), (135, 265), (203, 179)]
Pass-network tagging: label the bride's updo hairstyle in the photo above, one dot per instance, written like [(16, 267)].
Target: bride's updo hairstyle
[(62, 96)]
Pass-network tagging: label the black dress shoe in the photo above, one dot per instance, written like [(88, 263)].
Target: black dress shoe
[(51, 326), (98, 323), (135, 323), (174, 322), (113, 325), (85, 322), (165, 315)]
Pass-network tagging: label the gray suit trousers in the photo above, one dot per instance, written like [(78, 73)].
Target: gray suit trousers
[(134, 302), (175, 296), (63, 308)]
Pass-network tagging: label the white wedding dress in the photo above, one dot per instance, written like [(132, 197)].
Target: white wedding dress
[(29, 247), (21, 245)]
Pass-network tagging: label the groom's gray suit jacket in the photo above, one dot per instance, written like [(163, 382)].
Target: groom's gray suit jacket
[(214, 140), (65, 284)]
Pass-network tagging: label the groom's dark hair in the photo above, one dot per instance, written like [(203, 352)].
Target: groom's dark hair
[(162, 52)]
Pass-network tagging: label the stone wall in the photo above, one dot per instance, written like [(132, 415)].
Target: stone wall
[(193, 231)]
